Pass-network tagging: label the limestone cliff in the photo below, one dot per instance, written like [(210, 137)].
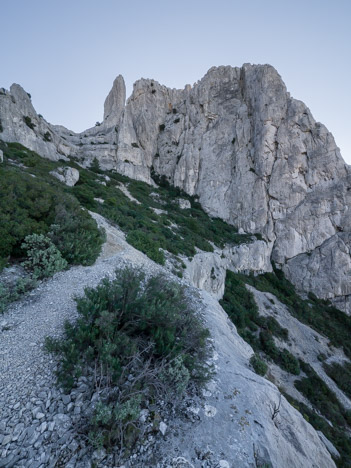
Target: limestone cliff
[(236, 139)]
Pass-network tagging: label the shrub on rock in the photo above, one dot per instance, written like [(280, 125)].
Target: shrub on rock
[(141, 341)]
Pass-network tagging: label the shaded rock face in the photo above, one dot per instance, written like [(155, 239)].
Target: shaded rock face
[(20, 123), (253, 155)]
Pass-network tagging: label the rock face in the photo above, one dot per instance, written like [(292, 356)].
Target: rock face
[(67, 175), (252, 154), (231, 426), (207, 270), (20, 123)]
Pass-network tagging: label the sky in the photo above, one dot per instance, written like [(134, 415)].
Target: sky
[(66, 54)]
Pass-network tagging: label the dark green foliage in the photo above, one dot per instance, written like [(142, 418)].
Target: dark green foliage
[(334, 433), (326, 402), (43, 259), (28, 122), (142, 241), (32, 205), (282, 357), (144, 340), (13, 293), (260, 367), (341, 374), (321, 316), (258, 331), (47, 136), (317, 313), (178, 231)]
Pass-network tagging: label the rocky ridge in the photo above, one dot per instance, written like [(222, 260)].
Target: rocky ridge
[(40, 424), (236, 139)]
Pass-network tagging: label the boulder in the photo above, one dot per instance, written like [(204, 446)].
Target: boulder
[(67, 175)]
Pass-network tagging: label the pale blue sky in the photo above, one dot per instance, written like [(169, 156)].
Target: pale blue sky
[(67, 53)]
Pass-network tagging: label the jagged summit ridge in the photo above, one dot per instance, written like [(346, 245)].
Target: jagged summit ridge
[(252, 154)]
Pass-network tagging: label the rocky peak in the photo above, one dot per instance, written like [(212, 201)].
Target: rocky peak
[(236, 139), (115, 101)]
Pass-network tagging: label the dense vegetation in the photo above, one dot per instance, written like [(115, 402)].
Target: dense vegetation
[(142, 342), (328, 415), (258, 331), (170, 228), (341, 374), (31, 202), (327, 405), (51, 203), (316, 313)]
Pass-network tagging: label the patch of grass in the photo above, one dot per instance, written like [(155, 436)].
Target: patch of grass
[(141, 341)]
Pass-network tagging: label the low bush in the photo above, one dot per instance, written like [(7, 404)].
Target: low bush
[(142, 342), (28, 122), (13, 293), (341, 374), (316, 313), (144, 242), (337, 435), (47, 136), (43, 257), (31, 205), (322, 398), (260, 367), (258, 331)]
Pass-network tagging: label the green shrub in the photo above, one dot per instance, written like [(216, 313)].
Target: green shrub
[(141, 340), (13, 293), (28, 122), (258, 331), (341, 374), (260, 367), (144, 242), (337, 435), (47, 136), (43, 257), (316, 313), (31, 205)]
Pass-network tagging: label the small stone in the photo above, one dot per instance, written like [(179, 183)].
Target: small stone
[(66, 399), (17, 431), (6, 440), (163, 428)]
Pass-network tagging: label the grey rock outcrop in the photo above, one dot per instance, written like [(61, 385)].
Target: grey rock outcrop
[(21, 124), (115, 101), (67, 175), (207, 270), (1, 156), (237, 140), (231, 425)]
